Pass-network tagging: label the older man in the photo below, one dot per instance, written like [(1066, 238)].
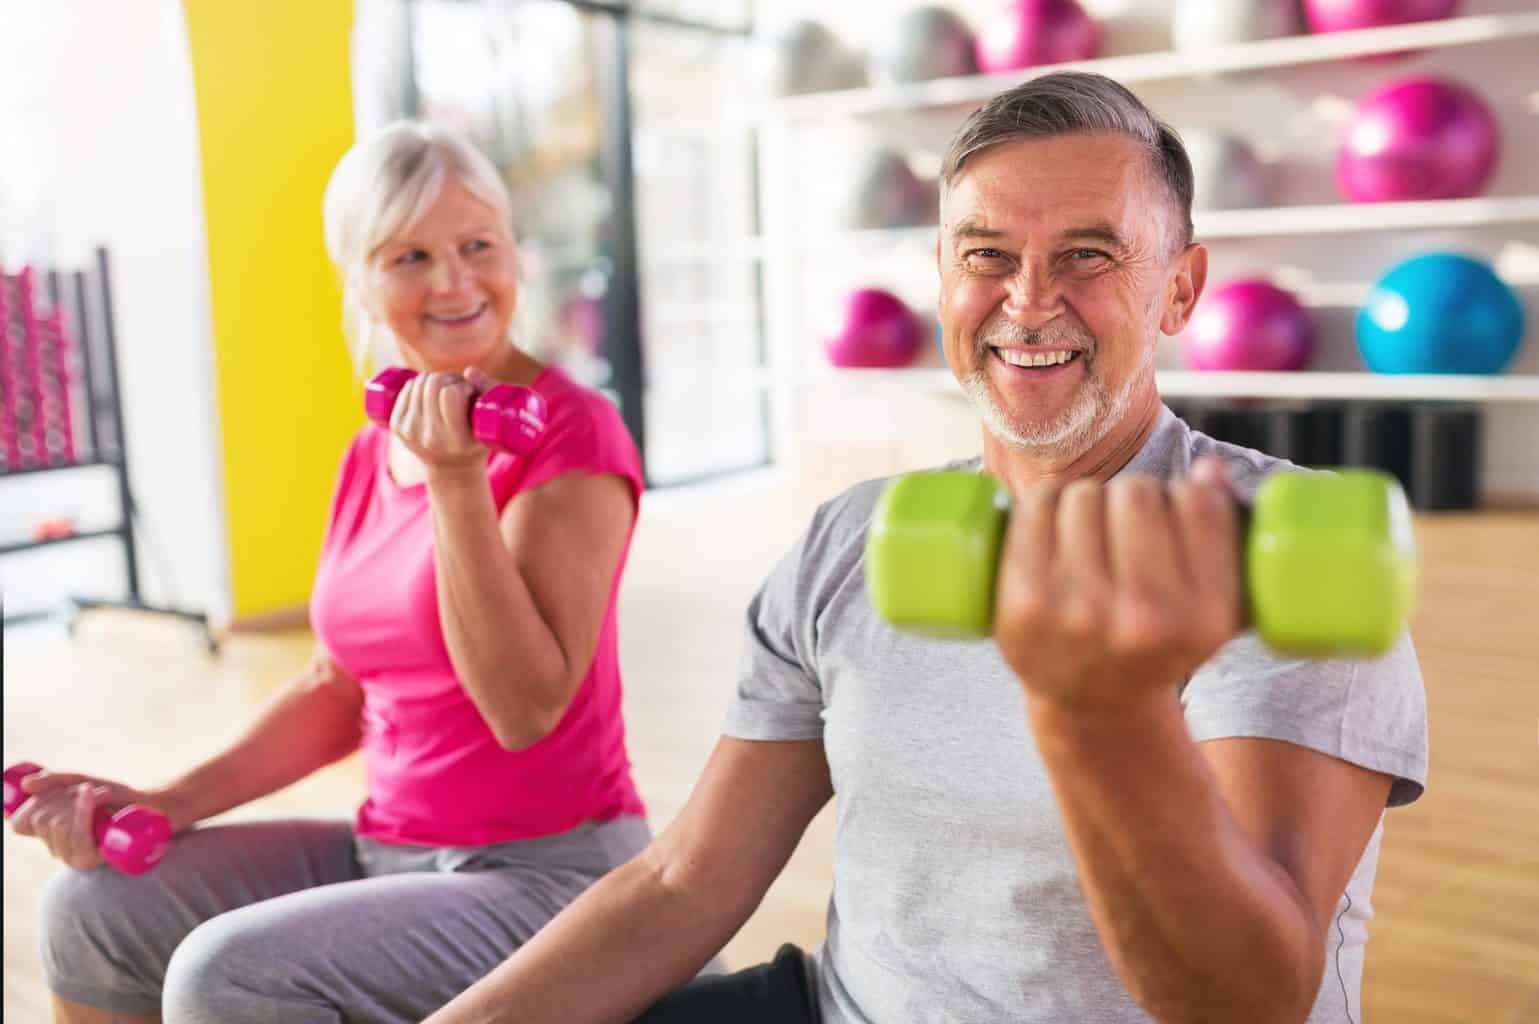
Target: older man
[(1123, 807)]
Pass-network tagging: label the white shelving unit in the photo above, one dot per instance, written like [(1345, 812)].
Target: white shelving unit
[(1327, 250)]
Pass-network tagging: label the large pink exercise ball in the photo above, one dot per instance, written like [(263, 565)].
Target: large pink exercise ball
[(1249, 324), (1027, 33), (874, 328), (1417, 138), (1346, 15)]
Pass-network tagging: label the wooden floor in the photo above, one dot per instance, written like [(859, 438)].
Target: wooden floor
[(1456, 938)]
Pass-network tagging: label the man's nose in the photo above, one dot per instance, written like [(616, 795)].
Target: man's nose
[(1032, 297)]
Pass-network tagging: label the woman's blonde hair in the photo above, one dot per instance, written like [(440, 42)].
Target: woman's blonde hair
[(382, 184)]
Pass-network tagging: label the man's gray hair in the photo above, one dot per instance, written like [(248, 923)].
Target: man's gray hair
[(1078, 103)]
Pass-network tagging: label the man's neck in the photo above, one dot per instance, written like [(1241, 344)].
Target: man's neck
[(1100, 462)]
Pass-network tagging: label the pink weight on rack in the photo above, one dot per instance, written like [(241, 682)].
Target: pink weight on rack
[(38, 454), (10, 446), (63, 384)]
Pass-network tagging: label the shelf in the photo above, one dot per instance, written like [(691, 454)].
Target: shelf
[(33, 470), (33, 615), (1364, 385), (1195, 384), (1356, 217), (1277, 221), (1131, 69), (30, 545)]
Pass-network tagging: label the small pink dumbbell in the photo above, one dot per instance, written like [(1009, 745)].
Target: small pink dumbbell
[(133, 840), (506, 416)]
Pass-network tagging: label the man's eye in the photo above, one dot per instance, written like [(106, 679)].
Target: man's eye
[(988, 256), (1082, 255)]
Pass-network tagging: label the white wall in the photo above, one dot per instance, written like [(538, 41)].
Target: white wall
[(98, 145)]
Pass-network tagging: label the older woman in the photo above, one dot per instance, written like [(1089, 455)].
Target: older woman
[(465, 612)]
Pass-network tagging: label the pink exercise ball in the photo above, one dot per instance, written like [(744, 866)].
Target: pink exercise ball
[(1418, 138), (1026, 33), (1346, 15), (1249, 324), (581, 323), (874, 329)]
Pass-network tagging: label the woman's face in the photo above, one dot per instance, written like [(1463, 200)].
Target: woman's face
[(446, 284)]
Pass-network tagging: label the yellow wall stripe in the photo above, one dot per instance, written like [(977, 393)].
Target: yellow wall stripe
[(274, 115)]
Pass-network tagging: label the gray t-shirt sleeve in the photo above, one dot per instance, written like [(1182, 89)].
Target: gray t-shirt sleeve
[(1371, 713), (777, 696)]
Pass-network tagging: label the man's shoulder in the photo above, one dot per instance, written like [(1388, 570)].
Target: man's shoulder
[(1247, 467), (846, 516)]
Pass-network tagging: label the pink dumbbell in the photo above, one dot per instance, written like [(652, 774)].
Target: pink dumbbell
[(132, 840), (506, 416)]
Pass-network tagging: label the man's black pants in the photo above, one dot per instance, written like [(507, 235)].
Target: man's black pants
[(779, 992)]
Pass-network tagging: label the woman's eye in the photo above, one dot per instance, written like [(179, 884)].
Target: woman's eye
[(478, 245), (411, 256)]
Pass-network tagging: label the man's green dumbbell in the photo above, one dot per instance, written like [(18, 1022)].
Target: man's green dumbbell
[(1329, 561)]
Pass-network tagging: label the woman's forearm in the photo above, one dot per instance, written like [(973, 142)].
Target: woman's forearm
[(312, 722)]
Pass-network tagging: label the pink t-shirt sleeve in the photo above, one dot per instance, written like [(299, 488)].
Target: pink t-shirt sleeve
[(583, 434)]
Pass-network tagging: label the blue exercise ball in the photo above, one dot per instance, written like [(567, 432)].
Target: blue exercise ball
[(1439, 313)]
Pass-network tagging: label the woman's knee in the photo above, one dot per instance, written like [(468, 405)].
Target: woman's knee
[(207, 971), (82, 916), (95, 945), (227, 970)]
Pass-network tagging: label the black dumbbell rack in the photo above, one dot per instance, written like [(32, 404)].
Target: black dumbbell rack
[(1432, 448), (61, 410)]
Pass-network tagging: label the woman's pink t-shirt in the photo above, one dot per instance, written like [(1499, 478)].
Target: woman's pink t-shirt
[(436, 774)]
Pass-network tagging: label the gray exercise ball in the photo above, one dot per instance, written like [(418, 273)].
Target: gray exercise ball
[(886, 193), (925, 42), (805, 57), (1203, 24), (1226, 173)]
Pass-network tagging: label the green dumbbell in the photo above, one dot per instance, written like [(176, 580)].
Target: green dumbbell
[(1329, 560)]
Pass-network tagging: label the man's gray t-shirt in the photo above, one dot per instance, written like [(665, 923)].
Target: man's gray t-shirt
[(955, 896)]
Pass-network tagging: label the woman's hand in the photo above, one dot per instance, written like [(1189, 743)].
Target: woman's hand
[(1113, 595), (61, 808), (432, 418)]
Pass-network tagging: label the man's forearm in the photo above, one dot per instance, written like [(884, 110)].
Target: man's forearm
[(1199, 922), (630, 939)]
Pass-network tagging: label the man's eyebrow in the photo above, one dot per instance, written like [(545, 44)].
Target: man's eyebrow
[(1102, 232), (972, 227)]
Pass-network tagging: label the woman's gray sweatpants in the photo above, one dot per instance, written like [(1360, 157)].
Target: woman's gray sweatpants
[(296, 921)]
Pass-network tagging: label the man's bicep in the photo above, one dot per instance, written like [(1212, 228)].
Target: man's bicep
[(1311, 813), (741, 824)]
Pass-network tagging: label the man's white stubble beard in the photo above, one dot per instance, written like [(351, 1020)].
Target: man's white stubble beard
[(1090, 415)]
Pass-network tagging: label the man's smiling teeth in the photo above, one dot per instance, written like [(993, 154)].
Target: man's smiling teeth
[(1021, 357)]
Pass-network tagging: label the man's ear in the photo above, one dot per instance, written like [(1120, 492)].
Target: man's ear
[(1184, 289)]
